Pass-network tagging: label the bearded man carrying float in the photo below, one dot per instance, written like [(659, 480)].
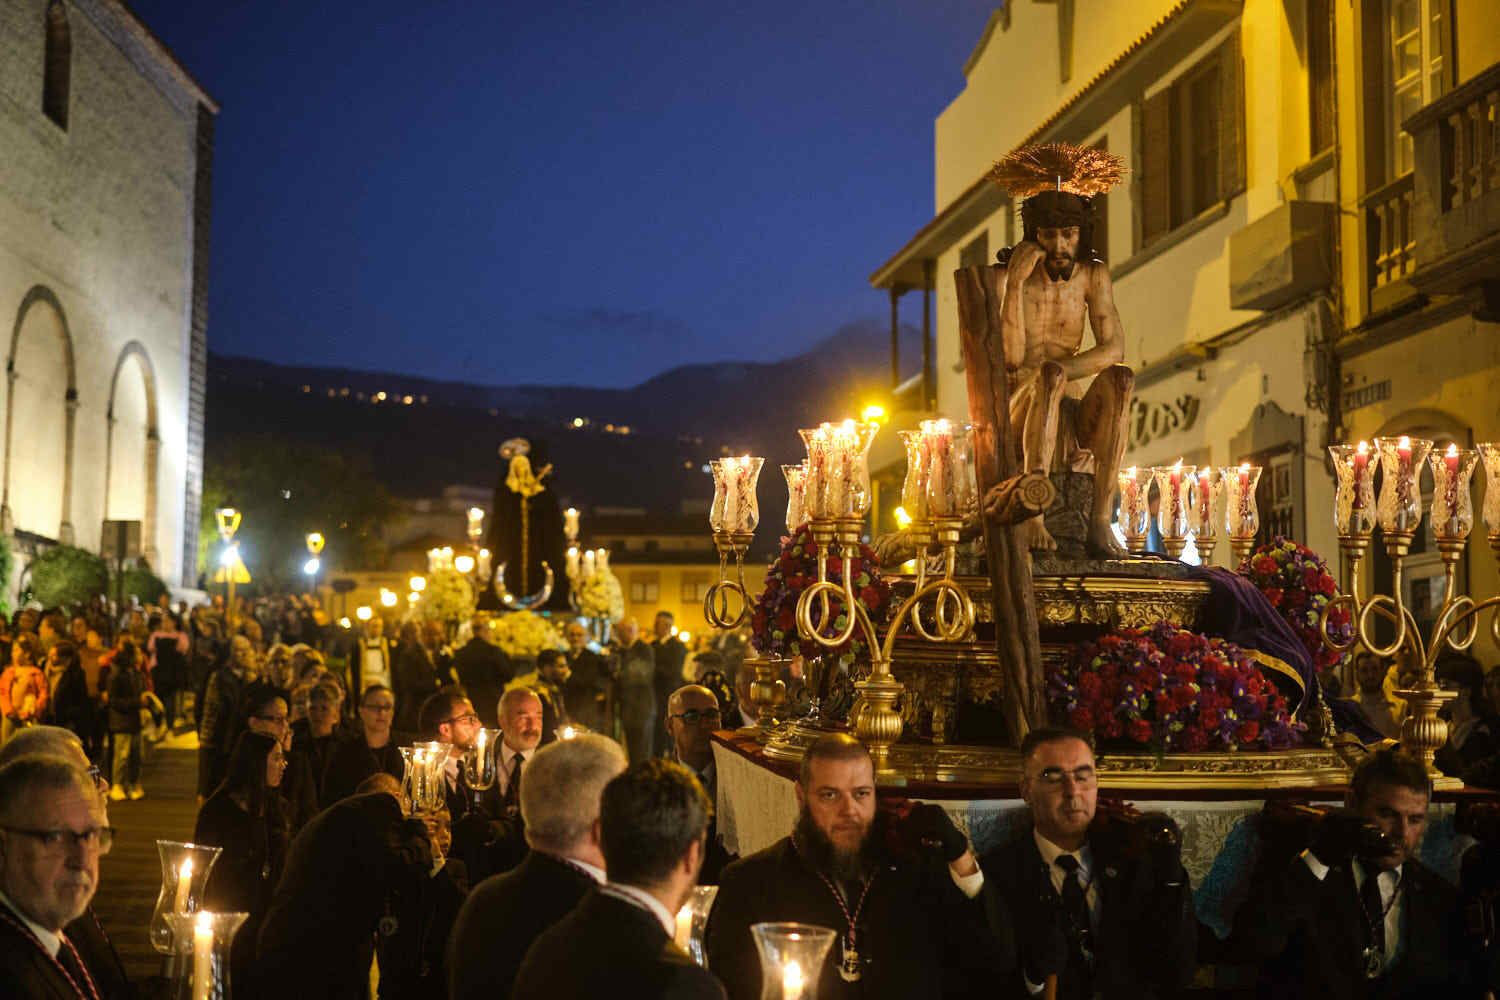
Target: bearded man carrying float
[(903, 894)]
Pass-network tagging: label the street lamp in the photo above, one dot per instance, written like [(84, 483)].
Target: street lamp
[(228, 519), (315, 542), (364, 612), (311, 569), (387, 598)]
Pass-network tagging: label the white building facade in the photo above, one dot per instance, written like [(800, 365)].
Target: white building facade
[(104, 212)]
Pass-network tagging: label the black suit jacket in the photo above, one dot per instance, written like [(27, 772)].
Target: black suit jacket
[(500, 920), (25, 969), (1146, 941), (341, 871), (608, 947), (1308, 934), (918, 935), (483, 669), (99, 956)]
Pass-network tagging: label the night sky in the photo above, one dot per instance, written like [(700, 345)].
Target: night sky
[(566, 192)]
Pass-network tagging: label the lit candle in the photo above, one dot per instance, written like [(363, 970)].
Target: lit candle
[(1450, 489), (601, 560), (572, 558), (1174, 479), (843, 445), (792, 982), (589, 561), (796, 483), (570, 523), (1244, 498), (1403, 466), (938, 435), (203, 946), (815, 483), (684, 936), (1205, 526), (184, 886), (484, 564), (734, 473), (1361, 468), (1129, 501)]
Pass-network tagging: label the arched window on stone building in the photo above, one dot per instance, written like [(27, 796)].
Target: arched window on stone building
[(58, 68)]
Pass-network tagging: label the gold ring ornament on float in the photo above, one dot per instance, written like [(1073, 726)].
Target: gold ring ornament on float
[(733, 517)]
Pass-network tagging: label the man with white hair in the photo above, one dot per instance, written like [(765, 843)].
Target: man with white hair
[(506, 913), (52, 834)]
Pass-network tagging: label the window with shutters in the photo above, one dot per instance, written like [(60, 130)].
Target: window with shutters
[(1193, 143), (1415, 41), (1320, 75), (57, 68)]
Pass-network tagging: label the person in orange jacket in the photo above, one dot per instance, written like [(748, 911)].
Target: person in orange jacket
[(23, 687)]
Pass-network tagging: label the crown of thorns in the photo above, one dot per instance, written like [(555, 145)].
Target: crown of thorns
[(1057, 166)]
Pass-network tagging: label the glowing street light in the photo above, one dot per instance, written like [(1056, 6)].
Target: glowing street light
[(345, 623), (387, 598), (315, 543), (228, 518), (364, 612), (312, 566), (417, 584)]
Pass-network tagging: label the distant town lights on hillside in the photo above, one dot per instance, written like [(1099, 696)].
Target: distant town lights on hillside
[(577, 421)]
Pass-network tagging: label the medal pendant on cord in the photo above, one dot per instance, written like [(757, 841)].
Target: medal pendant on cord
[(849, 964), (1374, 963)]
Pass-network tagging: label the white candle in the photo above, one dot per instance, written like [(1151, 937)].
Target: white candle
[(184, 886), (734, 473), (203, 946), (939, 434), (589, 559), (792, 981), (684, 934), (601, 560), (570, 523), (573, 563)]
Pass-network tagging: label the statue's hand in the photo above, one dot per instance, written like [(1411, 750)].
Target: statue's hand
[(1023, 260)]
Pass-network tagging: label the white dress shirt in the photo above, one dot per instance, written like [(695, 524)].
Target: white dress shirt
[(51, 940), (507, 765), (646, 901), (1389, 882)]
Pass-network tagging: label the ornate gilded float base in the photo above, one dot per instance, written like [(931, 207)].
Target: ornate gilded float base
[(1248, 772)]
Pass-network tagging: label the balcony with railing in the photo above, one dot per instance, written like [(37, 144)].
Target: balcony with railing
[(1390, 242), (1456, 196)]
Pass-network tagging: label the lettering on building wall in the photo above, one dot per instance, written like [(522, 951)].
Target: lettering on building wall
[(1150, 421), (1375, 392)]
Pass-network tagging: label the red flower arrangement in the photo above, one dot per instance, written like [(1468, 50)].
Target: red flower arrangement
[(1172, 689), (773, 620), (1296, 581)]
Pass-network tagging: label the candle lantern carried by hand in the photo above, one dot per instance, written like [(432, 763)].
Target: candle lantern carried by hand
[(791, 959)]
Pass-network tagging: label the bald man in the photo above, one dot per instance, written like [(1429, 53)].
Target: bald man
[(692, 717)]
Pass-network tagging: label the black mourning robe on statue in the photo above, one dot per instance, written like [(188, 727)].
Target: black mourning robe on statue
[(545, 538)]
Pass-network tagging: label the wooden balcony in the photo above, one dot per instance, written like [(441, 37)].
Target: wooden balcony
[(1456, 203), (1390, 243)]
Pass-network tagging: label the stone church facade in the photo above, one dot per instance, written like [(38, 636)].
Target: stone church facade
[(106, 146)]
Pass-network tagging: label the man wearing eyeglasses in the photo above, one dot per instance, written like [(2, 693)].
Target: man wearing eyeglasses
[(1099, 919), (692, 716), (52, 833)]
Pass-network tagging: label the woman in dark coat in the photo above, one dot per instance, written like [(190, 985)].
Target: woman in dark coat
[(374, 749), (125, 690), (246, 818), (416, 677), (70, 704)]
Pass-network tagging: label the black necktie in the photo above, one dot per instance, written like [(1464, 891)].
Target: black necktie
[(1374, 906), (1075, 906), (513, 790)]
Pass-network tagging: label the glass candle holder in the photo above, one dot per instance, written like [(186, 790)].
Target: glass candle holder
[(796, 482), (692, 922), (184, 875), (914, 486), (1241, 516), (848, 486), (1207, 488), (741, 509), (1489, 451), (721, 497), (791, 959), (423, 784), (479, 760), (1173, 489), (1354, 489), (1400, 500), (1452, 506), (204, 940), (946, 445), (1134, 483), (818, 441)]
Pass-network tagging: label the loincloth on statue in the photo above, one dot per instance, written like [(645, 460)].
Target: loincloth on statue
[(1068, 454)]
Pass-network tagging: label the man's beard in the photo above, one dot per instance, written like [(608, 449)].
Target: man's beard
[(839, 863), (1060, 271)]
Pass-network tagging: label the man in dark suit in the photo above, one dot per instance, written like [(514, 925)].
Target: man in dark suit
[(588, 681), (52, 833), (618, 941), (506, 913), (910, 924), (1104, 913), (340, 872), (692, 716), (1357, 915), (670, 654), (483, 669)]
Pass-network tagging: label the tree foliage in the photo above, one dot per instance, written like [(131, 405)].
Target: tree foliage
[(67, 575), (285, 489)]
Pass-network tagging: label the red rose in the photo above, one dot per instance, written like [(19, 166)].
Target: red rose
[(1111, 729), (1081, 719), (1139, 730), (1209, 718), (1327, 586), (1194, 740), (1182, 644), (1312, 578), (1249, 732), (1089, 686), (1264, 565)]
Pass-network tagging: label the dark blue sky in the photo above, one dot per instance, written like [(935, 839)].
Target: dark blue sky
[(563, 192)]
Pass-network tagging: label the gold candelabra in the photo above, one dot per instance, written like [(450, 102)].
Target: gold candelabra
[(875, 719), (716, 603), (1399, 512)]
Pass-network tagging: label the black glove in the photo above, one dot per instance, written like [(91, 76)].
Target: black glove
[(1341, 835), (928, 826), (1162, 839), (1042, 942)]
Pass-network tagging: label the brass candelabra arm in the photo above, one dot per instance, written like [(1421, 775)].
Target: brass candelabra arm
[(716, 603), (822, 593)]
